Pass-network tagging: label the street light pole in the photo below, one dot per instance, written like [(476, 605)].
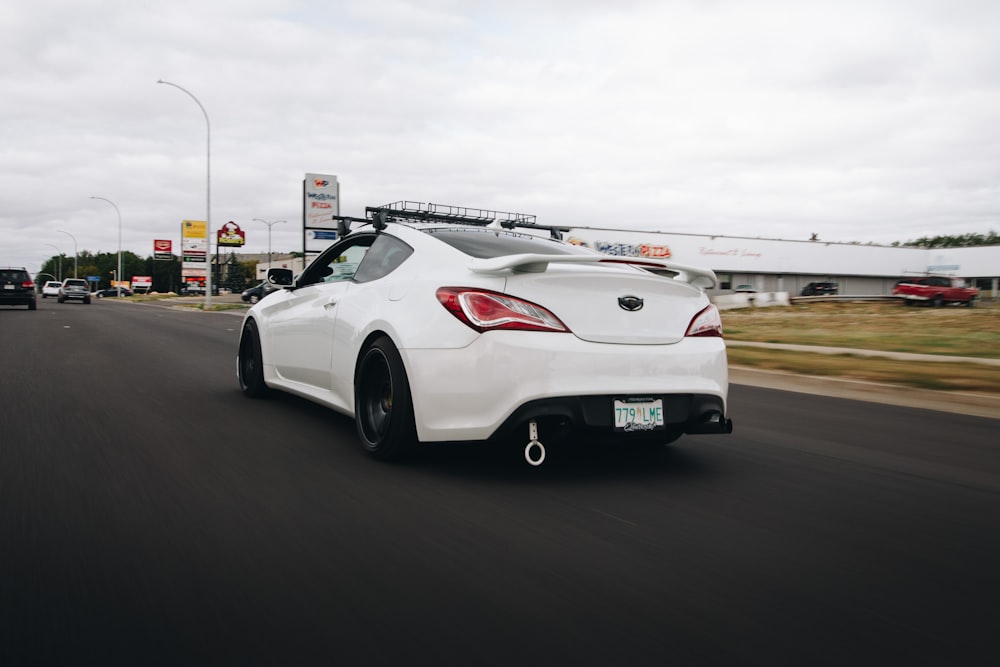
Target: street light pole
[(118, 277), (76, 252), (60, 259), (208, 194), (269, 225)]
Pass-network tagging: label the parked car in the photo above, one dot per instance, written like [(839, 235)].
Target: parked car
[(435, 331), (51, 288), (745, 289), (819, 289), (197, 290), (74, 289), (935, 291), (17, 288), (258, 292), (112, 291)]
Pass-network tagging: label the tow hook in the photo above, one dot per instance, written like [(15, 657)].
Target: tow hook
[(534, 453)]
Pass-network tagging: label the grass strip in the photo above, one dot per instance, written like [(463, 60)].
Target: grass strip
[(940, 376)]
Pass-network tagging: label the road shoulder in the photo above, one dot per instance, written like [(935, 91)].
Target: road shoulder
[(977, 405)]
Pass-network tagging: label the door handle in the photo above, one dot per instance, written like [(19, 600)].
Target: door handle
[(330, 304)]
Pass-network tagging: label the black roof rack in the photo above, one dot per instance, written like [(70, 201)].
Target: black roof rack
[(462, 215), (414, 211)]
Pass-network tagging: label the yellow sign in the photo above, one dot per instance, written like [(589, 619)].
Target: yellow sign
[(194, 229)]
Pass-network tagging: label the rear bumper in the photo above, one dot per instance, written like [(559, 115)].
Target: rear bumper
[(591, 419), (19, 300), (505, 379)]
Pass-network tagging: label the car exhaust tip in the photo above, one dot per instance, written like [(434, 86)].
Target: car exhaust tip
[(712, 423), (534, 452)]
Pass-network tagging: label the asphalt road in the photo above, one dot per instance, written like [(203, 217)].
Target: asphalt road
[(149, 514)]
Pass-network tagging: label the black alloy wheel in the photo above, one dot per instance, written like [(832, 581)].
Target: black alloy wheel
[(383, 405), (250, 363)]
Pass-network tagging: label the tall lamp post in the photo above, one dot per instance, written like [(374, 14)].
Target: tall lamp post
[(208, 194), (269, 225), (76, 252), (60, 259), (118, 276)]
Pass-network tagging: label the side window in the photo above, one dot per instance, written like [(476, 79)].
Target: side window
[(345, 265), (337, 265), (385, 254)]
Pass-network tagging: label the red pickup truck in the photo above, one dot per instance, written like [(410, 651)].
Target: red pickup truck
[(935, 291)]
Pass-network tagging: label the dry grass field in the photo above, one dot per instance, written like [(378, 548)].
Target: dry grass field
[(892, 327)]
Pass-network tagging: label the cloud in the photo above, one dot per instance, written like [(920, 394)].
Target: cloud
[(861, 121)]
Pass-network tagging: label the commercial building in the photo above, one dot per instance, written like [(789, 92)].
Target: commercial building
[(775, 265)]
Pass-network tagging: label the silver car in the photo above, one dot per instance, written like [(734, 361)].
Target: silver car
[(74, 288)]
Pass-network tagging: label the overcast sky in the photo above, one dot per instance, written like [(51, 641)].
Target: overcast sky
[(868, 121)]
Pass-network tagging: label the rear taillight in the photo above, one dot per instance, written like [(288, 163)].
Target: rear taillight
[(27, 284), (706, 323), (484, 310)]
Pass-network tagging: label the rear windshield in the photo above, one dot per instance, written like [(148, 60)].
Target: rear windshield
[(76, 283), (13, 275), (487, 243)]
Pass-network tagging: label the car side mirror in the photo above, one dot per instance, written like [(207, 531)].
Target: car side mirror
[(279, 277)]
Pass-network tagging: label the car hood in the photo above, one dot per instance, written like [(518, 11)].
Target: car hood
[(613, 305)]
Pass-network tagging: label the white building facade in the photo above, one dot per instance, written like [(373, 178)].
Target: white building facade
[(774, 265)]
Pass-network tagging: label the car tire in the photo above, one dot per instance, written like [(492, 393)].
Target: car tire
[(250, 363), (87, 301), (937, 301), (383, 406), (60, 299), (33, 305)]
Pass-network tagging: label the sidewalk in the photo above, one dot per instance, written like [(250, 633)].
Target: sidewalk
[(905, 356)]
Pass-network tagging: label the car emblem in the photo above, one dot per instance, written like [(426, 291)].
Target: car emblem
[(630, 303)]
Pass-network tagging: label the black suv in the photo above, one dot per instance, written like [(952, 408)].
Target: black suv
[(819, 289), (74, 288), (17, 288)]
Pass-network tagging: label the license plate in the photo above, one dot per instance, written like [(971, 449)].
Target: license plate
[(639, 414), (8, 287)]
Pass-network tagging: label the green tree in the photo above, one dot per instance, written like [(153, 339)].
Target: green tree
[(236, 274), (953, 241), (166, 273)]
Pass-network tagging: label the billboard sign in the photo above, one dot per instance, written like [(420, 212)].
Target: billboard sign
[(142, 283), (194, 248), (230, 235), (320, 202), (163, 249)]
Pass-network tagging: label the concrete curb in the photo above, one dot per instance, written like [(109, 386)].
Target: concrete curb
[(904, 356)]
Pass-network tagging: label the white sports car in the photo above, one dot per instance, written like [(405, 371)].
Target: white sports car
[(432, 331)]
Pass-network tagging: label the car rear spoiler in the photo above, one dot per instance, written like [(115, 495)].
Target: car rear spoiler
[(538, 263)]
